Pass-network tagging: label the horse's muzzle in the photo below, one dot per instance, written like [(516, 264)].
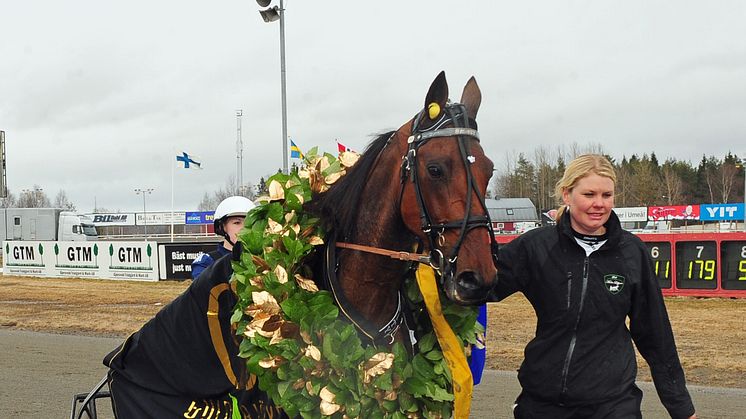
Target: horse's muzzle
[(467, 288)]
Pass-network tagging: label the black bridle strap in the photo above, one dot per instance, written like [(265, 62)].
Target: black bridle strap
[(464, 127), (378, 335)]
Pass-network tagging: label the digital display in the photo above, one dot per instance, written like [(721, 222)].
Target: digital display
[(733, 258), (696, 264), (660, 257)]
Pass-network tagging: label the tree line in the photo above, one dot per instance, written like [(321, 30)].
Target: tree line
[(36, 197), (642, 180)]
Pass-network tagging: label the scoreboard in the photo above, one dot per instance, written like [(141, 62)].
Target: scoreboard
[(699, 264), (695, 264)]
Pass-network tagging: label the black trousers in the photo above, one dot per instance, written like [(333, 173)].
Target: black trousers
[(626, 406)]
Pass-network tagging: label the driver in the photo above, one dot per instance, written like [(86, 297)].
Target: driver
[(229, 218)]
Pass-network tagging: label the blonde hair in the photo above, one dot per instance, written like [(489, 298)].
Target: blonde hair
[(579, 168)]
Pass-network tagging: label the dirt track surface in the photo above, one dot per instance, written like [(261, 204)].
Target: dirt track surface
[(39, 372)]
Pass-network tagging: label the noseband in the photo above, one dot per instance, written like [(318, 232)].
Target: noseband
[(462, 127)]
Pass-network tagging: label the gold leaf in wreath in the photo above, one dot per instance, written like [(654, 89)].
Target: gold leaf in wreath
[(273, 227), (329, 180), (276, 191), (377, 365), (265, 301), (312, 352), (322, 164), (348, 158), (315, 241), (271, 362), (327, 405), (258, 319), (257, 281), (282, 274), (306, 284)]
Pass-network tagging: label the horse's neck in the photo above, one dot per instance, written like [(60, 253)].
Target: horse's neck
[(371, 282)]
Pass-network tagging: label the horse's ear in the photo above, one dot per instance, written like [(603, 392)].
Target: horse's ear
[(471, 98), (438, 94)]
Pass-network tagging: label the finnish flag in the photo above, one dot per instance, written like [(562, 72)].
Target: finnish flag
[(188, 161)]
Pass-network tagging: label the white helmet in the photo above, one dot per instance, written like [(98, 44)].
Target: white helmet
[(233, 206)]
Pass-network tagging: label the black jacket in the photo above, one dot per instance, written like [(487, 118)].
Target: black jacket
[(582, 352), (184, 362)]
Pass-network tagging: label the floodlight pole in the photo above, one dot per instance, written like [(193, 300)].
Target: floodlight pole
[(284, 96), (144, 191)]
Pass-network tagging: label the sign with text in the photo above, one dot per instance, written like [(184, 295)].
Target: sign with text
[(159, 218), (632, 214), (673, 212), (721, 212), (176, 258), (97, 259), (200, 217), (113, 219)]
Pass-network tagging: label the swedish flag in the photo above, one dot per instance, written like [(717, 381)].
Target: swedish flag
[(295, 152)]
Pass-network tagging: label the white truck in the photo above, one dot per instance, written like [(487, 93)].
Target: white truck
[(45, 224)]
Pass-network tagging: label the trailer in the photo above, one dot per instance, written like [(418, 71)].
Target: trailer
[(45, 224)]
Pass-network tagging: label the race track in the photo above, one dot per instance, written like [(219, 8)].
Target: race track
[(39, 373)]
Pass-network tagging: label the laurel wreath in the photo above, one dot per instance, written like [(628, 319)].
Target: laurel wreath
[(310, 361)]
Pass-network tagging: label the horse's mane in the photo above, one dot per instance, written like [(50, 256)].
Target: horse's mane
[(338, 207)]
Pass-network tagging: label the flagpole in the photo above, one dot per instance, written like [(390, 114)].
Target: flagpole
[(172, 201)]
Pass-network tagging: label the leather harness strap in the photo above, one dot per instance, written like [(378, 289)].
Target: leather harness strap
[(393, 254)]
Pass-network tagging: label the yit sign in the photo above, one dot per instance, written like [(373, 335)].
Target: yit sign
[(721, 212)]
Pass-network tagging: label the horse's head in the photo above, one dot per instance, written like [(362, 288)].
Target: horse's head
[(445, 174)]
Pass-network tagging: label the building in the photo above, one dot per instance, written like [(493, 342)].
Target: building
[(512, 215)]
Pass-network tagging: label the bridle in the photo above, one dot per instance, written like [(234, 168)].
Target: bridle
[(461, 127)]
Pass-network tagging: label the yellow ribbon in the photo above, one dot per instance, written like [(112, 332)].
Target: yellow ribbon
[(453, 350)]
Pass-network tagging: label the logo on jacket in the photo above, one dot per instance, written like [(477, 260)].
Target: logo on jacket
[(614, 283)]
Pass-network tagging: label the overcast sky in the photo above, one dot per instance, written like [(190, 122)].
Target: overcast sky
[(97, 97)]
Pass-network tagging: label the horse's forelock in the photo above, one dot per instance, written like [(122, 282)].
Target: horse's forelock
[(339, 207)]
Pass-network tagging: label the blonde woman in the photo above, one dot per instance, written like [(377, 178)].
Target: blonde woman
[(585, 277)]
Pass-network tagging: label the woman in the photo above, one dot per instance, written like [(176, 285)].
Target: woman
[(585, 277)]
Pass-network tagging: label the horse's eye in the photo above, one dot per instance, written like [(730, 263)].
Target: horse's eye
[(434, 171)]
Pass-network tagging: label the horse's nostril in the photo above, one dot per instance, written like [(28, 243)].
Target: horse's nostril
[(469, 281)]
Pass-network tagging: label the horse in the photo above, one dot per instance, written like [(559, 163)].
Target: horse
[(421, 185), (415, 195)]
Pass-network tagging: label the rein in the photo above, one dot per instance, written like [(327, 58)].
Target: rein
[(393, 254)]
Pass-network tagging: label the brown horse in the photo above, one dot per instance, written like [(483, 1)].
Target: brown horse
[(421, 185)]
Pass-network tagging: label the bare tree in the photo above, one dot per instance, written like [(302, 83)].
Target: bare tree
[(61, 201), (210, 201), (9, 201), (34, 198), (726, 177), (673, 186)]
